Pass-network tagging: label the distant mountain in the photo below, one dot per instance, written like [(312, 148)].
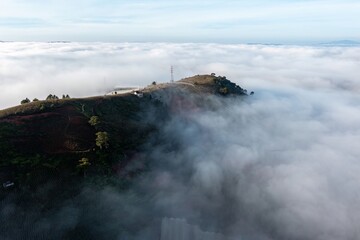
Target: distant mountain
[(59, 42), (342, 42)]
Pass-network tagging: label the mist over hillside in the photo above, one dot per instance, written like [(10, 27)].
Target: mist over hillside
[(281, 164)]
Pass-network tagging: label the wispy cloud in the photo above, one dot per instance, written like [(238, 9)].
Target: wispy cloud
[(291, 21)]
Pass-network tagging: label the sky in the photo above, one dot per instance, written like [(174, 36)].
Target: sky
[(278, 21)]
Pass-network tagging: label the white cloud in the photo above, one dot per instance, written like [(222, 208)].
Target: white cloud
[(37, 69), (283, 165)]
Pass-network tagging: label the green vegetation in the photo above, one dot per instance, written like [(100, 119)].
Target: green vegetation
[(24, 101), (84, 163), (225, 87), (52, 97), (94, 120), (223, 91), (35, 100), (102, 140)]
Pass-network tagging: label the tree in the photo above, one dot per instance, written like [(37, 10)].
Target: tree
[(153, 83), (224, 90), (94, 120), (35, 100), (102, 140), (84, 163), (24, 101), (52, 97)]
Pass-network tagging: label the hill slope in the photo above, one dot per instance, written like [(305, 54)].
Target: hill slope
[(68, 139)]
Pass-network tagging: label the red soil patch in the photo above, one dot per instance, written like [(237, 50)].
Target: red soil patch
[(62, 130)]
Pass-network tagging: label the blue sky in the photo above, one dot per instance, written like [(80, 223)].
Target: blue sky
[(278, 21)]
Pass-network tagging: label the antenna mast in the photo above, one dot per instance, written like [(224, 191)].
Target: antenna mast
[(172, 73)]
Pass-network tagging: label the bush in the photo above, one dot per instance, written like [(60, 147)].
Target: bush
[(223, 91), (84, 162), (24, 101), (94, 120), (35, 100), (102, 140), (52, 97)]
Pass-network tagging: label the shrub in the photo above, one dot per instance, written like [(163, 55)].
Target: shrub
[(94, 120), (102, 140), (223, 91), (52, 97), (24, 101), (84, 162), (35, 100)]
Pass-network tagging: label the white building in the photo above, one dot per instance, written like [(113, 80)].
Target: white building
[(122, 90)]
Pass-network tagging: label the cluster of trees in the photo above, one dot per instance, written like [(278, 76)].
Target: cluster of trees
[(50, 97), (26, 100), (54, 97)]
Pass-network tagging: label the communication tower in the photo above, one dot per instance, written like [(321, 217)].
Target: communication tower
[(172, 73)]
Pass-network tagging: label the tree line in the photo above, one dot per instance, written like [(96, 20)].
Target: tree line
[(49, 97)]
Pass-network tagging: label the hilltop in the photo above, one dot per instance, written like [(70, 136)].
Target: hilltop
[(67, 139)]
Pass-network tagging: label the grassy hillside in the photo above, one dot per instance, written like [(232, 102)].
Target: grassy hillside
[(73, 139)]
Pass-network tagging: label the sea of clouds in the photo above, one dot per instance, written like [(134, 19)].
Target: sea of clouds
[(282, 164), (35, 70)]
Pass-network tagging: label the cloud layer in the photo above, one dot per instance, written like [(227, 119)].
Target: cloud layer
[(38, 69), (282, 164)]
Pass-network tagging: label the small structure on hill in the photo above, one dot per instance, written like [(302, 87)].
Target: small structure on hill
[(121, 90), (138, 94)]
